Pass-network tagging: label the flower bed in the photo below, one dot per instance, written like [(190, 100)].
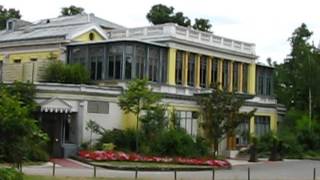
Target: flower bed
[(121, 156)]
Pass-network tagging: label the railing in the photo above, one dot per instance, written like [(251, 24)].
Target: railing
[(173, 30)]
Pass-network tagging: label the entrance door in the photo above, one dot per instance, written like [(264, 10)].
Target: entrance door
[(52, 125)]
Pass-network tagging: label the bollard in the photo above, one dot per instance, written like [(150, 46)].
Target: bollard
[(94, 171), (136, 174), (54, 169), (248, 173), (213, 174), (314, 173), (175, 174)]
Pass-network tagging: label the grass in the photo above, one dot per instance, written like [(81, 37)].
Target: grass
[(147, 165), (33, 177)]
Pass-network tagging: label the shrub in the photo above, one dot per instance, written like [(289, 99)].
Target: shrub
[(10, 174), (67, 73), (176, 142), (123, 140)]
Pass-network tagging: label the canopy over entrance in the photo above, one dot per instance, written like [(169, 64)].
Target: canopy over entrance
[(56, 105)]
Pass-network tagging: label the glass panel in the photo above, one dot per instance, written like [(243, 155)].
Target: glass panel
[(191, 69), (118, 67), (128, 67), (235, 76), (179, 58), (245, 78), (203, 71), (111, 67), (225, 74), (214, 71)]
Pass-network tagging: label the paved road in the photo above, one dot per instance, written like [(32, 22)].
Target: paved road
[(288, 170)]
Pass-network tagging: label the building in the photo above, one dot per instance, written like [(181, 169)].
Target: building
[(179, 62)]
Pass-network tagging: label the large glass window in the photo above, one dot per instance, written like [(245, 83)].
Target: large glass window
[(164, 65), (179, 58), (140, 61), (98, 107), (225, 74), (262, 125), (78, 55), (115, 57), (203, 71), (187, 121), (264, 81), (235, 77), (214, 71), (245, 78), (243, 131), (128, 62), (191, 69), (96, 57), (154, 64)]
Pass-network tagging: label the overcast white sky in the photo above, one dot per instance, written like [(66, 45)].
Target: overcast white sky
[(267, 23)]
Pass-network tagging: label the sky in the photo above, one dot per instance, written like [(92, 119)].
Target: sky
[(266, 23)]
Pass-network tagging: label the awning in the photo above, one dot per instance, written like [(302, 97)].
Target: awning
[(56, 105)]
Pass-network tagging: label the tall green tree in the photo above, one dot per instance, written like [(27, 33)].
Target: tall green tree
[(6, 14), (221, 116), (137, 98), (202, 24), (296, 80), (160, 14), (71, 10), (19, 132)]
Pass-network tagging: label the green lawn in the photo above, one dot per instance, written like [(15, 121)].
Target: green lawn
[(32, 177), (146, 165)]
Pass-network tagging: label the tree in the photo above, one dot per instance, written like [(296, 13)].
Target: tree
[(71, 10), (19, 131), (137, 98), (295, 79), (181, 20), (160, 14), (220, 111), (93, 127), (6, 14), (202, 25)]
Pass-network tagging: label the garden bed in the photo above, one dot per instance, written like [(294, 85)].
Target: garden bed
[(123, 160)]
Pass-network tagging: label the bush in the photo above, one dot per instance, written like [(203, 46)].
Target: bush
[(176, 142), (124, 140), (67, 73), (10, 174)]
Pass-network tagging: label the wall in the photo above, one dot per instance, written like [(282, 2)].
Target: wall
[(85, 37)]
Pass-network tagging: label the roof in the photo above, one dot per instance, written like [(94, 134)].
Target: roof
[(62, 26)]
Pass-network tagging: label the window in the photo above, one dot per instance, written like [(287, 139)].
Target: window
[(245, 78), (179, 58), (164, 65), (243, 131), (78, 55), (203, 71), (33, 59), (225, 74), (235, 77), (264, 81), (91, 36), (115, 57), (128, 62), (214, 71), (98, 107), (153, 61), (262, 125), (17, 61), (191, 69), (96, 62), (187, 121), (140, 57)]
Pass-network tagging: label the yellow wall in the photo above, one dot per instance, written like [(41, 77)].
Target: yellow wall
[(85, 37), (252, 79), (273, 121), (25, 57), (1, 57), (129, 120), (172, 66)]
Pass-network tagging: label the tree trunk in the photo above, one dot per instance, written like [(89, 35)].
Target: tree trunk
[(215, 149)]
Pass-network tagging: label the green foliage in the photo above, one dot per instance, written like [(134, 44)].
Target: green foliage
[(6, 14), (71, 10), (93, 127), (160, 14), (67, 73), (154, 121), (202, 25), (176, 142), (108, 146), (124, 140), (220, 111), (10, 174), (20, 134)]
